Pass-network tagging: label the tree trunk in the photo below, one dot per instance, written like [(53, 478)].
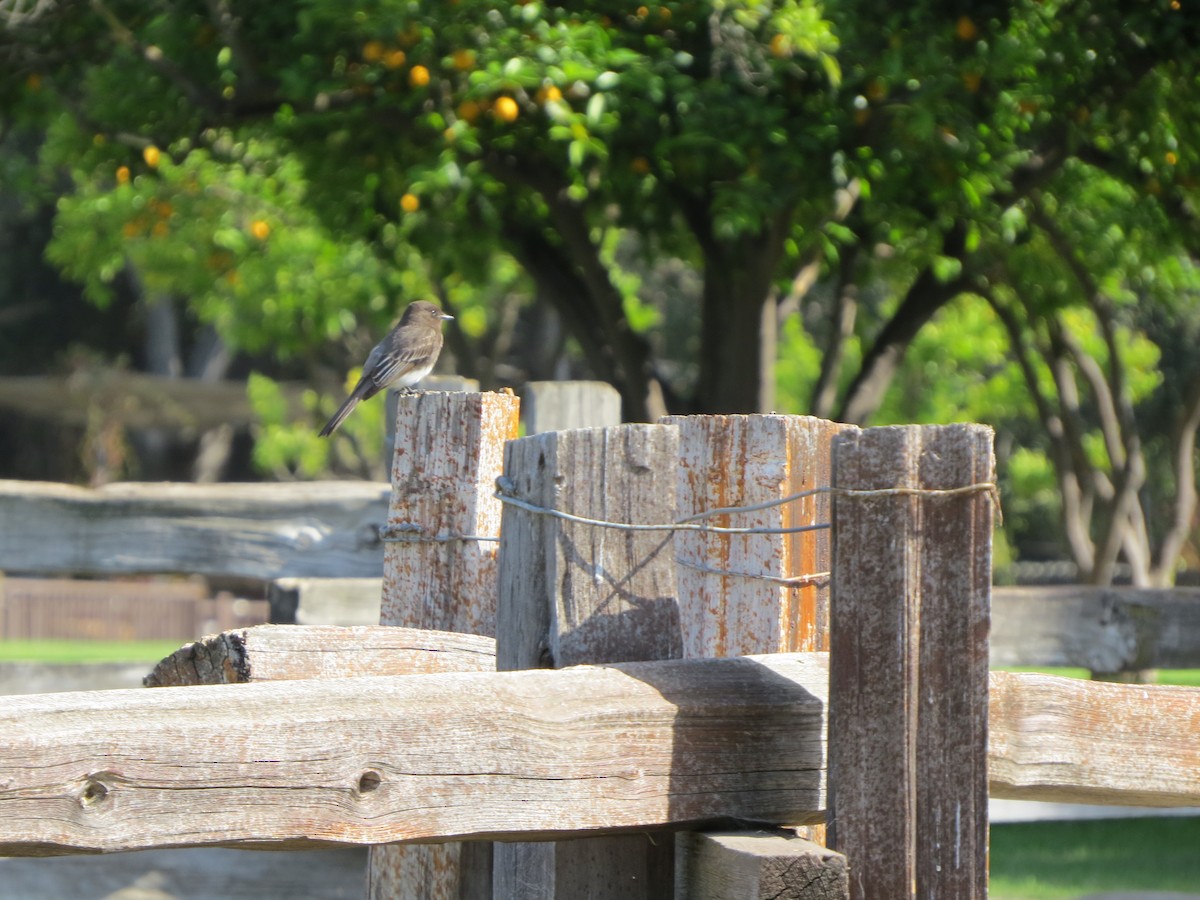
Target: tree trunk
[(732, 357)]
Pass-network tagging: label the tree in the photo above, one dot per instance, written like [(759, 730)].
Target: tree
[(289, 167)]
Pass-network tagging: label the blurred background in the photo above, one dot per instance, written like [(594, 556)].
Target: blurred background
[(878, 214), (874, 212)]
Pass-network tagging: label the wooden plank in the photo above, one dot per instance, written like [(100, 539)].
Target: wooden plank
[(572, 593), (1072, 741), (1104, 630), (564, 405), (292, 764), (908, 683), (249, 530), (743, 461), (325, 601), (448, 452), (290, 652), (139, 400), (761, 866), (740, 461)]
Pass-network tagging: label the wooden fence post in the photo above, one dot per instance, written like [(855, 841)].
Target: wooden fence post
[(574, 593), (448, 453), (908, 667), (564, 405), (743, 461)]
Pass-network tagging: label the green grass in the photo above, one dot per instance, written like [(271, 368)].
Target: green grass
[(1188, 677), (1060, 860), (54, 651)]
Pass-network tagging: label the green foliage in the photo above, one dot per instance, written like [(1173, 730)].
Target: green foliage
[(284, 448), (295, 173)]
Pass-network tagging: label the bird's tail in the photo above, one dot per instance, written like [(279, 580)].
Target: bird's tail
[(338, 417)]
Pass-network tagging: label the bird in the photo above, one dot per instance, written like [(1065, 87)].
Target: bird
[(401, 359)]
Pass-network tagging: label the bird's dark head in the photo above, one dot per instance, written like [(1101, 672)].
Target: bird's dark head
[(423, 311)]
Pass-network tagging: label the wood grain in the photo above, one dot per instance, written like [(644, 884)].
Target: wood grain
[(250, 530), (291, 652), (908, 681), (746, 865), (1104, 630), (1072, 741), (425, 757), (738, 461), (744, 460), (572, 593), (448, 452)]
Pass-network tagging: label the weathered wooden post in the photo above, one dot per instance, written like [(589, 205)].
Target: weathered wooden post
[(765, 592), (440, 573), (754, 593), (566, 405), (572, 593), (908, 781)]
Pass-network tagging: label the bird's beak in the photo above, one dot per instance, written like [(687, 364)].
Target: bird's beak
[(445, 316)]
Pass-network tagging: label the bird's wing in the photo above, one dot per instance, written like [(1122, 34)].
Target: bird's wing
[(388, 362)]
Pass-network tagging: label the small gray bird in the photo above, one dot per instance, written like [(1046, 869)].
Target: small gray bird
[(402, 358)]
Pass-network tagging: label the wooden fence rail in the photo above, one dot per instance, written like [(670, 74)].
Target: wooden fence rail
[(373, 760), (1103, 630), (533, 754), (251, 530)]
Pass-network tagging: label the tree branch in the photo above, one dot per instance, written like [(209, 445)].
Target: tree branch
[(1184, 505), (925, 297), (1075, 511), (841, 327), (155, 59)]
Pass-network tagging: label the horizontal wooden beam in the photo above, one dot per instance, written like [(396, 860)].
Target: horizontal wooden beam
[(291, 652), (138, 399), (530, 754), (1115, 629), (1051, 739), (251, 530), (745, 865), (1072, 741)]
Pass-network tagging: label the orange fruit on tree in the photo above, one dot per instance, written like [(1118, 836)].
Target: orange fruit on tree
[(410, 203), (373, 51), (152, 155), (260, 229), (506, 109), (123, 175), (418, 76), (464, 60), (394, 59), (964, 29), (469, 111)]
